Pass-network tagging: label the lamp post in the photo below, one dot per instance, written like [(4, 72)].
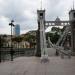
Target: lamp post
[(11, 51)]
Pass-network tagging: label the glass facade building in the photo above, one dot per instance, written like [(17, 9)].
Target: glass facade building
[(16, 30)]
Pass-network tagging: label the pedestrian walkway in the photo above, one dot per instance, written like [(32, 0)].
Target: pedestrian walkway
[(33, 66), (51, 51)]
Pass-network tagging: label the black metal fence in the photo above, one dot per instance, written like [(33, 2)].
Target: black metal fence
[(5, 53)]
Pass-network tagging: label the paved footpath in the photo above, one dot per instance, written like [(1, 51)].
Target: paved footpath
[(33, 66)]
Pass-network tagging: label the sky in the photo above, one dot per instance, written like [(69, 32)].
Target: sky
[(24, 13)]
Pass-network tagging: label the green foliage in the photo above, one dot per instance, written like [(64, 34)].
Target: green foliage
[(57, 29), (31, 39), (55, 34), (53, 37), (17, 39), (1, 42)]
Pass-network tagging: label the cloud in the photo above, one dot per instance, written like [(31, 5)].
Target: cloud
[(24, 12), (4, 25), (59, 8)]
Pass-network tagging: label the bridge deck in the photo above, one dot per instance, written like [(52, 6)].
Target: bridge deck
[(33, 66)]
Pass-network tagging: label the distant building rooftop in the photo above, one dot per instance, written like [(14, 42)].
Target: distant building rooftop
[(57, 19)]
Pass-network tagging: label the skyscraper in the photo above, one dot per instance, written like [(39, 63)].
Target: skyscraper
[(16, 30)]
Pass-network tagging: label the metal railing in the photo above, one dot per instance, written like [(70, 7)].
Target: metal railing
[(5, 53)]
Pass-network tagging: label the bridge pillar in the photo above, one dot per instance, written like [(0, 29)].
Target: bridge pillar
[(72, 23), (40, 31)]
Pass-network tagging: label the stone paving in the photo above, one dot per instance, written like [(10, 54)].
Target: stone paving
[(51, 51), (33, 66)]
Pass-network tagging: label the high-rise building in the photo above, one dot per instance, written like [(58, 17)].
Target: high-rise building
[(16, 30)]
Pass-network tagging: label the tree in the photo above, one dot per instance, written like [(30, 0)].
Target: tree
[(55, 34), (53, 37), (31, 39), (17, 39), (2, 40), (57, 29), (1, 45)]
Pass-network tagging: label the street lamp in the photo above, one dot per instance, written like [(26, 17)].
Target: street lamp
[(11, 51)]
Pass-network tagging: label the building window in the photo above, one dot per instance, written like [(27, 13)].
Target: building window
[(41, 15)]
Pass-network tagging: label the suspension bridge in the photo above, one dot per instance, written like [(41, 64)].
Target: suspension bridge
[(44, 63)]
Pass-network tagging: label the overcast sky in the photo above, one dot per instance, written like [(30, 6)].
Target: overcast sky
[(24, 12)]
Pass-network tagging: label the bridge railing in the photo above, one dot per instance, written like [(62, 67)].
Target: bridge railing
[(62, 52), (5, 53)]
